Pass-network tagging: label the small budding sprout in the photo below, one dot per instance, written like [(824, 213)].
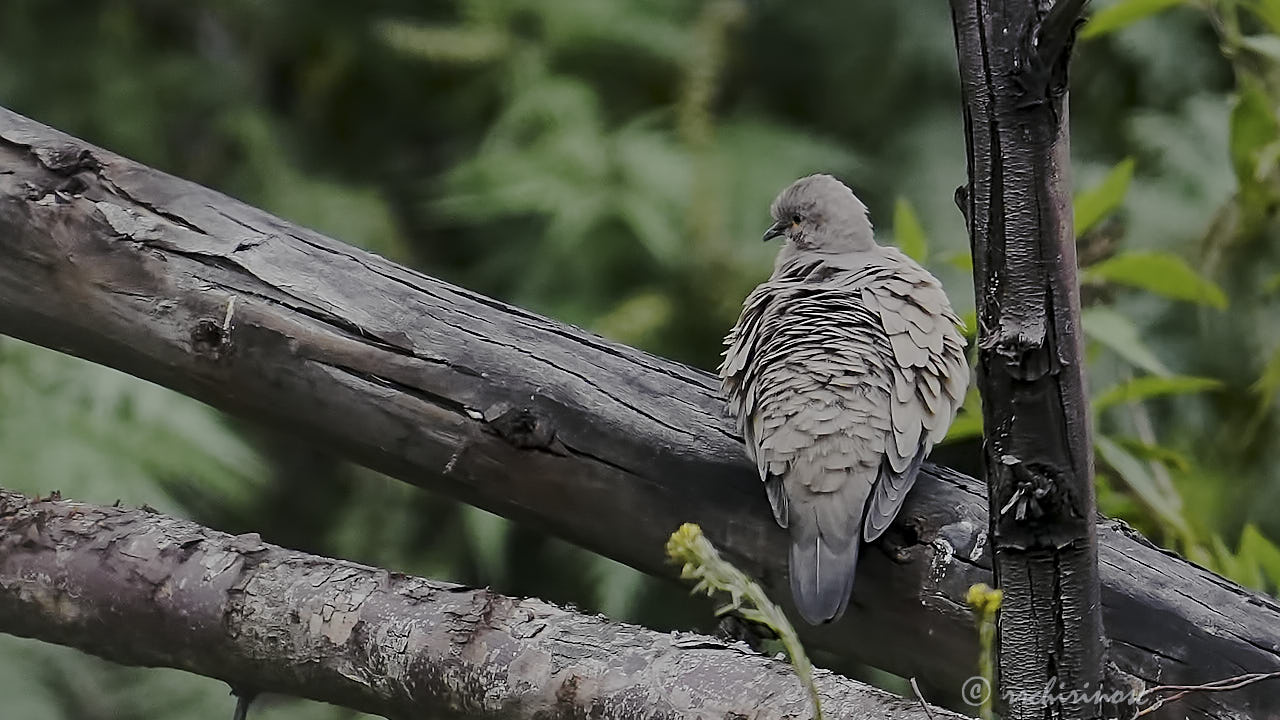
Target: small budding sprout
[(983, 599), (701, 562), (985, 603)]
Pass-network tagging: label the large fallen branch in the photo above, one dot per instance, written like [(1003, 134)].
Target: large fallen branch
[(595, 442), (140, 588)]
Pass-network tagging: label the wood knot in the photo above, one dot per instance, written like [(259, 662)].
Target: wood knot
[(523, 427), (904, 538), (1033, 486), (961, 198), (210, 338), (248, 543), (567, 693), (1026, 354), (73, 186), (66, 159), (1038, 506)]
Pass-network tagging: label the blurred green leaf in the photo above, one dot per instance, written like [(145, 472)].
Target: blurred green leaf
[(1260, 553), (1162, 273), (1123, 13), (487, 535), (756, 158), (961, 260), (456, 44), (108, 436), (636, 319), (1268, 11), (1268, 384), (618, 586), (1137, 477), (1271, 285), (1268, 158), (1254, 564), (1266, 45), (1150, 386), (1099, 201), (1118, 334), (1116, 503), (1165, 456), (1254, 129), (908, 232), (357, 215), (968, 423), (969, 323), (1228, 565), (1197, 553)]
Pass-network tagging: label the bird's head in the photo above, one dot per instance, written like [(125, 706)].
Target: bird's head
[(819, 213)]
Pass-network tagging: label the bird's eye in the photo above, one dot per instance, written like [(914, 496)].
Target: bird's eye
[(795, 218)]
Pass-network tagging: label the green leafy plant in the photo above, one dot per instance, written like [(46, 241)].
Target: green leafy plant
[(1160, 273), (1096, 203), (701, 563), (908, 233)]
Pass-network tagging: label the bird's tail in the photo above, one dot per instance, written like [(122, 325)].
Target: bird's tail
[(821, 575)]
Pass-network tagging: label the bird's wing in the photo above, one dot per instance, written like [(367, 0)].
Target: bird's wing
[(737, 370), (804, 375), (930, 376), (822, 412)]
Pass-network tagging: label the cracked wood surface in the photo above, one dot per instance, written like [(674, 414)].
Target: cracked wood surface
[(595, 442), (1013, 59), (141, 588)]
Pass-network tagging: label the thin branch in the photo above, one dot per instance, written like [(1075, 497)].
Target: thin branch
[(920, 696), (244, 699), (141, 588), (1058, 28), (1233, 683)]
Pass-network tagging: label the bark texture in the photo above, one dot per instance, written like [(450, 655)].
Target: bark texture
[(1038, 461), (141, 588), (598, 443)]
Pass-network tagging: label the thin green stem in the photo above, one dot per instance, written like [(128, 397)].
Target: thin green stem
[(986, 604), (701, 562)]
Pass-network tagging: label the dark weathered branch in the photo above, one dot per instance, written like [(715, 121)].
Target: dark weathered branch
[(595, 442), (1038, 464), (140, 588)]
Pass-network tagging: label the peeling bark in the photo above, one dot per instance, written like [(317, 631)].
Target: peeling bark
[(140, 588), (1038, 462), (589, 440)]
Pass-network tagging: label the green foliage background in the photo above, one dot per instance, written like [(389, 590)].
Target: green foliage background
[(610, 164)]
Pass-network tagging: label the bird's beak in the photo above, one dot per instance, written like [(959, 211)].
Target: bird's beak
[(776, 230)]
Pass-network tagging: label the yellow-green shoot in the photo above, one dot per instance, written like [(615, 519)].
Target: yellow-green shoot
[(986, 603), (701, 562)]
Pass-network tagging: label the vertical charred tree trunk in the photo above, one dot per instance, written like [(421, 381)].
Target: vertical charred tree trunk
[(1038, 463)]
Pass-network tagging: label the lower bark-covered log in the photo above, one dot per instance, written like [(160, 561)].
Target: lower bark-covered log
[(141, 588), (596, 442)]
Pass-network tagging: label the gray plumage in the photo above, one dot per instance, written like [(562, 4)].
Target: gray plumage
[(844, 369)]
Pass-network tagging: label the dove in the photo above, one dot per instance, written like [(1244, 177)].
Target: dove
[(844, 369)]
